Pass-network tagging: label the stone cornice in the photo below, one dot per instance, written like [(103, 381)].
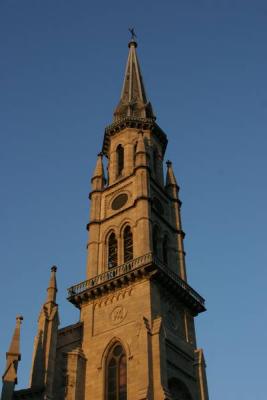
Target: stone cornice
[(144, 267), (137, 123)]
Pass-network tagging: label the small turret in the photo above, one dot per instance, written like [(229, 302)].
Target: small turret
[(44, 353), (98, 179), (12, 359)]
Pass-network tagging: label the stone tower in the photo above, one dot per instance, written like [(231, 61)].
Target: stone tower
[(135, 339)]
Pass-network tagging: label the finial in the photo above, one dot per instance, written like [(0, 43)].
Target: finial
[(168, 163), (133, 37), (53, 268), (19, 318), (133, 34)]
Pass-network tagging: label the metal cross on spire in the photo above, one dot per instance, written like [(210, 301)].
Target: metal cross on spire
[(133, 34)]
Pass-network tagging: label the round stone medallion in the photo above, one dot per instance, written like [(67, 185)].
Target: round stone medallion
[(118, 315)]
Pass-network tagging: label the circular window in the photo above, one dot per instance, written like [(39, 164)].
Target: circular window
[(119, 201)]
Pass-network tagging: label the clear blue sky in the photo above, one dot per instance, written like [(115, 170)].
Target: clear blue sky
[(204, 64)]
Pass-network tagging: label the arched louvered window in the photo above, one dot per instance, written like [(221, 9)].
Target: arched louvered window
[(120, 159), (112, 251), (165, 250), (156, 240), (116, 374), (127, 244)]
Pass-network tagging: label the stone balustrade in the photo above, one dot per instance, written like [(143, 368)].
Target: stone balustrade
[(130, 266)]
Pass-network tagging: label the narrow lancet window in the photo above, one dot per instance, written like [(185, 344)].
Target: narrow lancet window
[(128, 244), (155, 162), (120, 159), (165, 250), (116, 374), (156, 241), (112, 251), (135, 149)]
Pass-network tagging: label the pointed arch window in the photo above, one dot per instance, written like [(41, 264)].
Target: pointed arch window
[(112, 251), (156, 240), (120, 159), (127, 244), (179, 390), (155, 162), (135, 149), (116, 374), (165, 250)]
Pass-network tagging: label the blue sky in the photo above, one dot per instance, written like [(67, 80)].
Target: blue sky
[(204, 64)]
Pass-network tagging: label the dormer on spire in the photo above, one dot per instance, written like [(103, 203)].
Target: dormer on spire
[(133, 101)]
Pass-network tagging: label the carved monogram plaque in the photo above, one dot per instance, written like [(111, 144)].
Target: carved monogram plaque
[(118, 315)]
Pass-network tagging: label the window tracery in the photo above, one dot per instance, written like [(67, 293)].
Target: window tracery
[(127, 244), (112, 251), (116, 374)]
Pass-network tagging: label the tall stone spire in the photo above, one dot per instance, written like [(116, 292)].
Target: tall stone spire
[(133, 101), (12, 358)]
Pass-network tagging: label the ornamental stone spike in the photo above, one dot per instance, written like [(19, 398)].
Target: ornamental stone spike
[(14, 348), (98, 179), (52, 288), (171, 183)]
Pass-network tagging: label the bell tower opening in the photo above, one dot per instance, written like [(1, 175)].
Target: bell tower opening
[(120, 160), (128, 244), (112, 251)]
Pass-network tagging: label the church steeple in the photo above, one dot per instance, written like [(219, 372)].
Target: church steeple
[(133, 101), (135, 338)]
